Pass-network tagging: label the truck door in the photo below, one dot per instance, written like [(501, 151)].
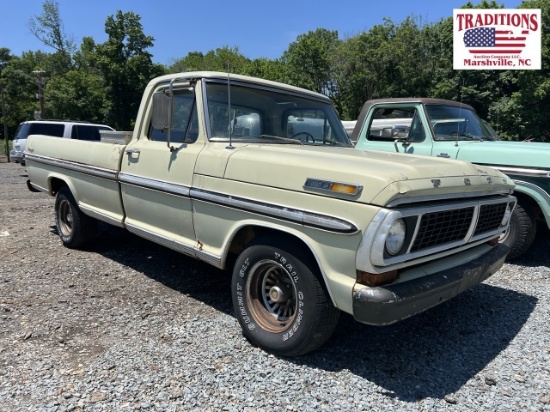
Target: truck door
[(155, 180)]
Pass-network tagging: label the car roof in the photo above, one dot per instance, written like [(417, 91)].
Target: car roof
[(66, 122)]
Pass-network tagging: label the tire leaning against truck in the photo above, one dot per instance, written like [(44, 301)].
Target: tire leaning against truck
[(279, 299), (74, 227)]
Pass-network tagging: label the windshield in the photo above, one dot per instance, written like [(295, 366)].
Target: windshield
[(254, 114), (456, 123)]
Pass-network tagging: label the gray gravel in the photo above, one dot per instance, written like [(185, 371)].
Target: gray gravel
[(128, 325)]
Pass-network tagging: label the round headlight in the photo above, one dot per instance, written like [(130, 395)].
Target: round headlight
[(396, 237), (507, 214)]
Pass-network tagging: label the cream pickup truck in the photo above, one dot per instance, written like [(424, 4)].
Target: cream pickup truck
[(260, 178)]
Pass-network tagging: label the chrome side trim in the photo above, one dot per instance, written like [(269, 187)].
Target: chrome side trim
[(520, 171), (102, 216), (153, 237), (302, 217), (154, 184), (534, 188), (208, 257), (36, 187), (278, 211), (174, 245), (74, 166)]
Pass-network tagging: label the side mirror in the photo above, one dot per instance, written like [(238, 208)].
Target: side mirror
[(162, 111), (162, 118), (401, 134)]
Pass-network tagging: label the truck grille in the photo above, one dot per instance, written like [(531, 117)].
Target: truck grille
[(443, 227), (490, 217), (448, 226)]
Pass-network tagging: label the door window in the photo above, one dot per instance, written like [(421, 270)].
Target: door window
[(185, 123)]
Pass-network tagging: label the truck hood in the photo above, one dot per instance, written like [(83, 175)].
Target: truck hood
[(504, 153), (384, 177)]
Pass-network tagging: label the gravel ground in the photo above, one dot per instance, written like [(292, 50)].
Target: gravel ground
[(129, 325)]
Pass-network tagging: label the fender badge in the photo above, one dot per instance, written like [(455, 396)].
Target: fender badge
[(467, 181), (332, 187), (436, 182)]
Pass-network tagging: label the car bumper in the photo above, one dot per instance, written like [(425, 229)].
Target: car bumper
[(383, 305), (16, 157)]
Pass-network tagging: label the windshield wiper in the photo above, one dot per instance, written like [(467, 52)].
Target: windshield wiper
[(335, 143), (280, 138), (466, 135)]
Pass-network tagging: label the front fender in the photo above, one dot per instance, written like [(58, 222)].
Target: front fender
[(536, 193)]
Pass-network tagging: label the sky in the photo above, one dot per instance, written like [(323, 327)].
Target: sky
[(258, 28)]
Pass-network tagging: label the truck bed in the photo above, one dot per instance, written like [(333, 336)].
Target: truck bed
[(91, 168)]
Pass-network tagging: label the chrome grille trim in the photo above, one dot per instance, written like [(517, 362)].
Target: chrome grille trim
[(437, 230)]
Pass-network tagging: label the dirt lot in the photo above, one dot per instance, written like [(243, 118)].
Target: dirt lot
[(131, 325)]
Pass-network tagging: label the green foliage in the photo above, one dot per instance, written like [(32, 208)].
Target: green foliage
[(222, 59), (20, 87), (78, 96), (104, 82), (310, 59), (126, 66)]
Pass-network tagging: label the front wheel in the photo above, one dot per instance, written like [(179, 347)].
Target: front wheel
[(279, 301), (74, 227), (521, 234)]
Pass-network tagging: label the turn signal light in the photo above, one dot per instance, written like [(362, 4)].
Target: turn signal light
[(375, 279), (344, 188)]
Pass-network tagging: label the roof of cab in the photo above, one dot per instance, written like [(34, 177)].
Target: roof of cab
[(236, 77)]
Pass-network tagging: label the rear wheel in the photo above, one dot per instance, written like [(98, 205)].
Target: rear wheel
[(279, 300), (74, 227), (522, 231)]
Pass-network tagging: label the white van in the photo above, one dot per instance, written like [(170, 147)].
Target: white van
[(65, 129)]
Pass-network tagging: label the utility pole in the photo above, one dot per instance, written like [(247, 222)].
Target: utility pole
[(5, 121), (40, 95)]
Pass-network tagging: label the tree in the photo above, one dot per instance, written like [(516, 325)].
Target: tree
[(266, 69), (48, 28), (20, 86), (222, 59), (126, 66), (77, 96), (309, 60)]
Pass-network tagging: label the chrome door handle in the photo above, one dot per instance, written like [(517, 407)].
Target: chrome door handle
[(133, 151)]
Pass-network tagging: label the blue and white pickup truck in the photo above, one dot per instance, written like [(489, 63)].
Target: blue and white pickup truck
[(448, 129)]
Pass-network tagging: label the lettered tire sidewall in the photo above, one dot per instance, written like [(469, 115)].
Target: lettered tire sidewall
[(294, 338)]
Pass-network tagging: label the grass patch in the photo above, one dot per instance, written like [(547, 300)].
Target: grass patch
[(3, 147)]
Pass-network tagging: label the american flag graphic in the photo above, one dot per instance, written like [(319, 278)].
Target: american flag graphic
[(490, 40)]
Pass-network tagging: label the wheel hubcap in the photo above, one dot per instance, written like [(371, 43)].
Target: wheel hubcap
[(271, 296), (65, 218)]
